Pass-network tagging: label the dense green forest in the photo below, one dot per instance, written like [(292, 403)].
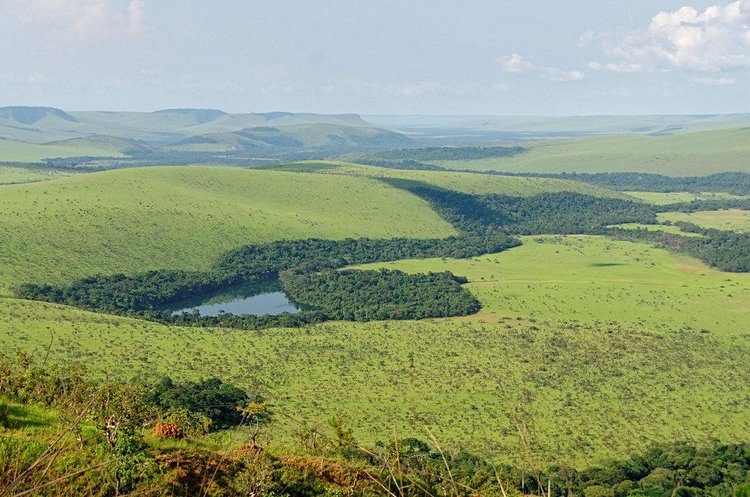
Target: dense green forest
[(377, 295)]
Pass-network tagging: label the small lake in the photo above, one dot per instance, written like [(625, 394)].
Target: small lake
[(255, 298)]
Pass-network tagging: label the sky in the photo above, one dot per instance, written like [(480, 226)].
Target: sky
[(430, 57)]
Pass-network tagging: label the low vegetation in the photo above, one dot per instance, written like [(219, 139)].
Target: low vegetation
[(726, 220), (696, 153)]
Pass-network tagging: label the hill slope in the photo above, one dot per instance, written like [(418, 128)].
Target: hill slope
[(471, 183), (688, 154), (183, 218)]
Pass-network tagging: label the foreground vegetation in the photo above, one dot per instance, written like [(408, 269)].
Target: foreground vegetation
[(61, 434)]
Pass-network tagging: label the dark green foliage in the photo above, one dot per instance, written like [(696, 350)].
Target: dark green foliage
[(724, 250), (548, 213), (406, 164), (213, 398), (450, 153), (145, 293), (376, 295), (705, 205), (735, 183)]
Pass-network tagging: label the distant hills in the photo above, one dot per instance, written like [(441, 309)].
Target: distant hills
[(106, 139), (30, 134)]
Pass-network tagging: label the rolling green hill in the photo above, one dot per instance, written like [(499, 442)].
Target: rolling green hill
[(478, 184), (267, 139), (727, 219), (10, 175), (184, 217), (687, 154), (15, 151)]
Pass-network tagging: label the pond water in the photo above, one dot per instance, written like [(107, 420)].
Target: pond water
[(256, 298)]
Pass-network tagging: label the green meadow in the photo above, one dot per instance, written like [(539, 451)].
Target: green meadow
[(16, 151), (471, 183), (607, 345), (596, 280), (10, 175), (666, 198), (686, 154), (727, 219), (185, 217)]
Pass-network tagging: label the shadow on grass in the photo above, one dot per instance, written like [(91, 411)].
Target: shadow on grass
[(20, 417)]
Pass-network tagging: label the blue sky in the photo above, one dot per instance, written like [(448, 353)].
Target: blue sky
[(494, 57)]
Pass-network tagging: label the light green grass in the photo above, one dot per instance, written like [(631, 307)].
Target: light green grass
[(728, 219), (186, 217), (471, 183), (605, 358), (688, 154), (594, 279), (13, 151), (659, 198), (664, 228), (12, 175)]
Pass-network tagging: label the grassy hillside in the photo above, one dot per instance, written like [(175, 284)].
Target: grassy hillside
[(12, 175), (607, 345), (595, 280), (660, 198), (13, 151), (478, 184), (687, 154), (269, 139), (171, 217), (729, 219)]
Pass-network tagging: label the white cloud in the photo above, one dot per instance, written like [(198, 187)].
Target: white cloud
[(717, 39), (71, 20), (517, 64), (136, 16), (714, 81)]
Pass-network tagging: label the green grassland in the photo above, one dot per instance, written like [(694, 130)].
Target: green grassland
[(471, 183), (10, 175), (727, 219), (664, 228), (185, 217), (689, 154), (608, 346), (660, 198), (597, 280), (15, 151)]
